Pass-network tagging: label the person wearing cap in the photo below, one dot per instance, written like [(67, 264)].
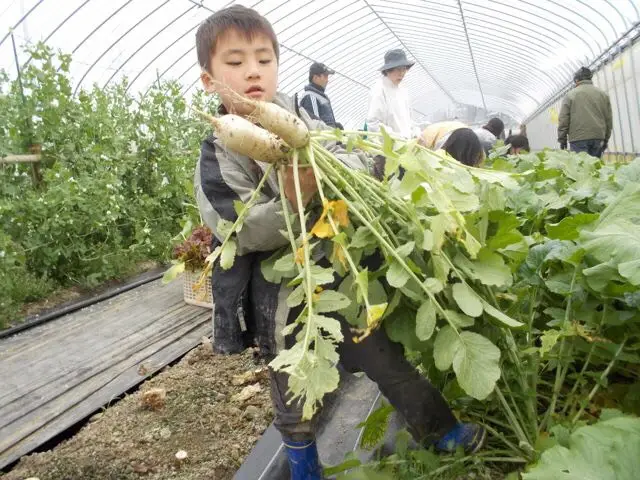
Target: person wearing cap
[(586, 119), (389, 103), (490, 133), (314, 98)]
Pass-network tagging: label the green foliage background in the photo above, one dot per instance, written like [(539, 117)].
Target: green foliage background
[(117, 179)]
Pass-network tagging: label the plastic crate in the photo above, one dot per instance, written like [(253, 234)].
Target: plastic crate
[(201, 297)]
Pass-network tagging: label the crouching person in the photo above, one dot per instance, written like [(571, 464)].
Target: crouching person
[(238, 52)]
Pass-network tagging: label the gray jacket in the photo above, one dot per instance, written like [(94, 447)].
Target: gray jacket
[(245, 303)]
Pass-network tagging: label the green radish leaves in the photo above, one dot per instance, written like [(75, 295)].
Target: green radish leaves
[(467, 299), (172, 273), (476, 363), (606, 450), (474, 358), (330, 301), (397, 276), (425, 321), (228, 254), (445, 347)]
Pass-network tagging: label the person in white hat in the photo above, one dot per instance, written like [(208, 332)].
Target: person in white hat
[(389, 103)]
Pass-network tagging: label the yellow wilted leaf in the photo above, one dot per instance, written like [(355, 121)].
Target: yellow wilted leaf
[(374, 314), (360, 334), (338, 209), (338, 254), (339, 212), (583, 332), (322, 229), (300, 256)]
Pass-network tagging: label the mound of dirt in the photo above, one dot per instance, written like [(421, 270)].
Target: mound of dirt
[(211, 407)]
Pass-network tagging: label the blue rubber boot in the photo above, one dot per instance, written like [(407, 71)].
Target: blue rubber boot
[(469, 436), (303, 460)]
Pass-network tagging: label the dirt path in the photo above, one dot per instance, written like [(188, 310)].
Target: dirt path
[(215, 409)]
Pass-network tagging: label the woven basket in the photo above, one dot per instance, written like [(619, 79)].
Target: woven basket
[(202, 297)]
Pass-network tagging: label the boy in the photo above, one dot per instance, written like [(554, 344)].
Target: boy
[(238, 51)]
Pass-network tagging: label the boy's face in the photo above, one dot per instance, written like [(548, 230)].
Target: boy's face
[(247, 67)]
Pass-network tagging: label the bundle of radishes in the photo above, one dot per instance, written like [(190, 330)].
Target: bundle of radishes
[(438, 277)]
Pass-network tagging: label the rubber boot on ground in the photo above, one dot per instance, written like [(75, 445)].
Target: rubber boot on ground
[(470, 436), (303, 460)]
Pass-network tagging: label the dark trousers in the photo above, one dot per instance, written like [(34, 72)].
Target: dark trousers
[(592, 147), (425, 410)]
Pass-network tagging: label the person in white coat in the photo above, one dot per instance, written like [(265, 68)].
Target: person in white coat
[(389, 103)]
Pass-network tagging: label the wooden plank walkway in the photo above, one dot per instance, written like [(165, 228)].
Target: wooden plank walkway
[(58, 373)]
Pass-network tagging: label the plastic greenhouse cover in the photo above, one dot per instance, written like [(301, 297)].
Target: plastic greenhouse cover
[(503, 56)]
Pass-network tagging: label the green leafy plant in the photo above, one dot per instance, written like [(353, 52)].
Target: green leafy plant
[(375, 426), (117, 177), (514, 286), (606, 450)]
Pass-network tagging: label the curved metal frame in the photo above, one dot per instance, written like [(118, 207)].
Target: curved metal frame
[(475, 67), (446, 92), (491, 56), (144, 44), (320, 53), (549, 20), (504, 39), (518, 33), (19, 22), (60, 25), (105, 21), (565, 73), (132, 28)]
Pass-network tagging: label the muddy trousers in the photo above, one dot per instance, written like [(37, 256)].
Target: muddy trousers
[(421, 405)]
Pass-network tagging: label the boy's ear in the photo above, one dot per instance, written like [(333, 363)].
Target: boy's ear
[(207, 82)]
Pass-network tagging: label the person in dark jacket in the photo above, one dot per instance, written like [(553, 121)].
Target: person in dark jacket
[(464, 145), (585, 118), (314, 98)]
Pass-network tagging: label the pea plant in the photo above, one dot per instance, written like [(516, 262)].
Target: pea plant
[(117, 174)]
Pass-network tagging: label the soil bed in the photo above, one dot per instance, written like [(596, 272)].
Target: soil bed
[(216, 407)]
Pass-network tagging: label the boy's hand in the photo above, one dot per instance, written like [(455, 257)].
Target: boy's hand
[(308, 185)]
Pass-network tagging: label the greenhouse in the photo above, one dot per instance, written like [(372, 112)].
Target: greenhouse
[(364, 239)]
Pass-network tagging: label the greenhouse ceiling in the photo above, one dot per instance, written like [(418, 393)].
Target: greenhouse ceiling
[(504, 56)]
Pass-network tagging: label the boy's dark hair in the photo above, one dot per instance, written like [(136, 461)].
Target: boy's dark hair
[(464, 145), (517, 141), (245, 20), (495, 126)]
